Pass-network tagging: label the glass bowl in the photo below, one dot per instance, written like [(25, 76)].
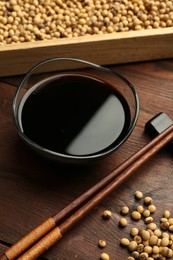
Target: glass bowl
[(74, 111)]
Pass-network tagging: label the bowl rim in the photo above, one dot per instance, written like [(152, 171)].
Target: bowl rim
[(72, 158)]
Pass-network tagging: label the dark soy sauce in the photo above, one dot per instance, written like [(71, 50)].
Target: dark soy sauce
[(74, 115)]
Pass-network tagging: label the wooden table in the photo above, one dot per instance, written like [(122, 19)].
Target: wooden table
[(32, 189)]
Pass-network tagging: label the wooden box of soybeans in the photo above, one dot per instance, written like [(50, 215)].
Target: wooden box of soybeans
[(104, 49)]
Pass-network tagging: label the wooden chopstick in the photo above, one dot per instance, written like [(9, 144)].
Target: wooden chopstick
[(102, 189), (51, 238)]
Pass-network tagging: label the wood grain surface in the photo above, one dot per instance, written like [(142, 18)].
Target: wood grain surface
[(32, 188), (111, 48)]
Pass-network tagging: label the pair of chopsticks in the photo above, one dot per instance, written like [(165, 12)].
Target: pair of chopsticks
[(48, 233)]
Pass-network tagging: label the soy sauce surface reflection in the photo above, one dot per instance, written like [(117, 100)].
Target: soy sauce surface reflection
[(74, 115)]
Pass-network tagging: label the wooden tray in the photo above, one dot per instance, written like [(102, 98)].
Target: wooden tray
[(132, 46)]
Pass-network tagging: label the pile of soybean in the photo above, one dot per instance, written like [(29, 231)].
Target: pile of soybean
[(152, 242), (32, 20)]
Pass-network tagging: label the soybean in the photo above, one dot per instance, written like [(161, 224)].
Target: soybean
[(123, 222), (125, 210), (138, 194), (136, 215), (102, 243), (46, 20), (148, 201), (104, 256), (107, 214)]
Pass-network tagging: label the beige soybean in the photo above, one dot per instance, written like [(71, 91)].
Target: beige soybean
[(104, 256), (155, 256), (148, 220), (166, 214), (146, 213), (132, 246), (124, 210), (136, 215), (145, 234), (155, 249), (124, 241), (140, 248), (157, 232), (143, 256), (148, 201), (134, 231), (102, 243), (148, 249), (164, 241), (152, 226), (170, 220), (164, 225), (165, 234), (107, 214), (167, 252), (171, 228), (163, 220), (123, 222), (138, 239), (153, 240), (135, 254), (152, 208), (138, 195), (146, 242), (140, 209)]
